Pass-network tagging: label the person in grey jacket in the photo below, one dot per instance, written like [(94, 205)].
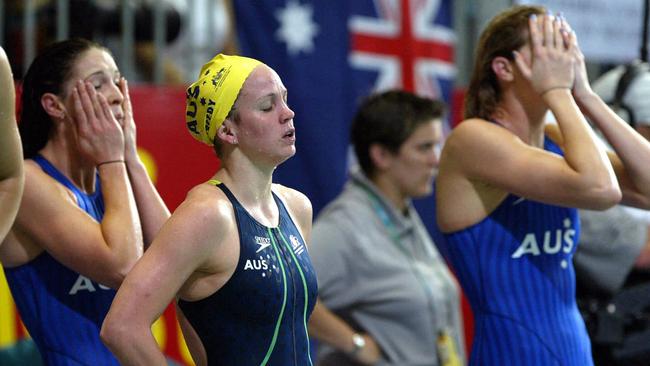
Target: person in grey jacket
[(386, 295)]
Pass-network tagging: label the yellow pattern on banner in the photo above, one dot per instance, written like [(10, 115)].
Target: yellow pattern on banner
[(185, 352), (158, 330), (149, 164), (8, 333)]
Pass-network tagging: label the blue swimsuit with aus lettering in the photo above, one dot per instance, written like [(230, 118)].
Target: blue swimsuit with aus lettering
[(63, 310), (259, 317), (515, 267)]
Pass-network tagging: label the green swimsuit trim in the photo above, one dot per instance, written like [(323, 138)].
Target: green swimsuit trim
[(304, 287), (284, 303)]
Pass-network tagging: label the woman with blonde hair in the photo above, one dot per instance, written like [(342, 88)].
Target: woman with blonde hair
[(234, 252)]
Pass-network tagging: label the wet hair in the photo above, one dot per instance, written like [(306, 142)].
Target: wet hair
[(46, 74), (389, 119), (506, 32)]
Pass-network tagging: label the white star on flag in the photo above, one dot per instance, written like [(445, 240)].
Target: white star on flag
[(297, 29)]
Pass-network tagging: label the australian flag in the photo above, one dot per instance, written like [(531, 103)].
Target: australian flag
[(332, 54)]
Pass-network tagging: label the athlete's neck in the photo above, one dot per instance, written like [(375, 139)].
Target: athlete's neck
[(527, 125), (252, 188), (67, 160)]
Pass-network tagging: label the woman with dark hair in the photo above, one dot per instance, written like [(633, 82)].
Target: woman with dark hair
[(385, 294), (509, 183), (89, 208), (11, 162)]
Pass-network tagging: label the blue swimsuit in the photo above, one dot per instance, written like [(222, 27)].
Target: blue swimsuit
[(259, 317), (516, 269), (63, 310)]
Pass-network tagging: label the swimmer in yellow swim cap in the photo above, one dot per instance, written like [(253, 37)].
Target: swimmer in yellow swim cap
[(233, 253), (212, 95)]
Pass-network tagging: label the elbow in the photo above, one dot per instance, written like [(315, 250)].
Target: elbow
[(606, 197), (120, 268), (113, 333), (117, 276), (122, 272), (120, 332)]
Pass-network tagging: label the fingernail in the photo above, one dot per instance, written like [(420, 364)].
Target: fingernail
[(533, 16)]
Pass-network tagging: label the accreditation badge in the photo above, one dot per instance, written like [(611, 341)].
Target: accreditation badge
[(447, 351)]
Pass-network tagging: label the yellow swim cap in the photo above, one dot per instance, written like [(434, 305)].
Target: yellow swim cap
[(210, 98)]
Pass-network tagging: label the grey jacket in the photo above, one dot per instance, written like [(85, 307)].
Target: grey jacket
[(384, 277)]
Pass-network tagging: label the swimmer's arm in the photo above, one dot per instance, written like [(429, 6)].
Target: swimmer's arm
[(632, 151), (50, 217), (582, 151), (631, 156), (151, 208), (484, 152), (11, 157), (184, 244), (583, 177), (329, 328)]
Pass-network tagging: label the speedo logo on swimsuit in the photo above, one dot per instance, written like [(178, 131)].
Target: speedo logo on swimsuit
[(263, 242), (296, 244), (552, 241)]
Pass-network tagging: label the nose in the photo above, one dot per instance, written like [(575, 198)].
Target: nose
[(287, 113), (114, 94)]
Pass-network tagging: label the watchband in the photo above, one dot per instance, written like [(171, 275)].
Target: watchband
[(359, 343)]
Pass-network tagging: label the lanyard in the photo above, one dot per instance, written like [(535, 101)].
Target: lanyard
[(445, 344), (391, 228)]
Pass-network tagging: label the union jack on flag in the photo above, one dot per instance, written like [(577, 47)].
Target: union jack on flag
[(409, 43), (330, 55)]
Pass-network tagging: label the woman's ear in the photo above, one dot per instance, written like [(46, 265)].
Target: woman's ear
[(503, 68), (227, 132), (380, 156), (53, 106)]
